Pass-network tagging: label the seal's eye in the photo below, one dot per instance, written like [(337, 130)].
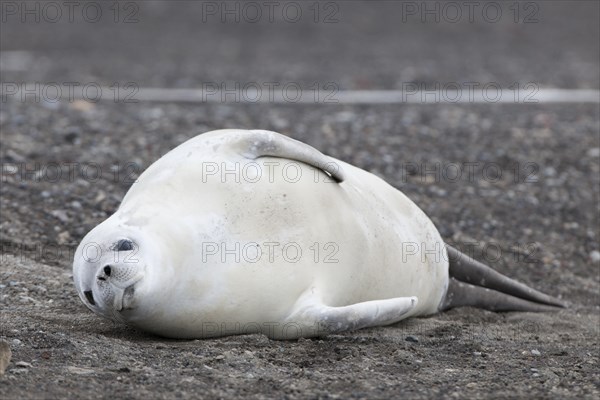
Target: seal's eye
[(124, 245)]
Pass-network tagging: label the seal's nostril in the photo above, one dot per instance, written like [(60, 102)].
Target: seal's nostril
[(90, 297), (107, 270)]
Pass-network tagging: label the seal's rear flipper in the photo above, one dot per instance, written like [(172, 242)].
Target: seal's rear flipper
[(323, 320), (461, 294), (475, 284)]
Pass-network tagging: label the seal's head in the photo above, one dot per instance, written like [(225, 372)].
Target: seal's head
[(109, 269)]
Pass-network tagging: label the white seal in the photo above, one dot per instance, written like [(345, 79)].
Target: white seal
[(239, 231)]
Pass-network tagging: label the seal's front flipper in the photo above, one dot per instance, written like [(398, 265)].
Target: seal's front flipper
[(475, 284), (259, 143), (319, 320)]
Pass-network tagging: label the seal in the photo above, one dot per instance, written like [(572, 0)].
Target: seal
[(249, 231)]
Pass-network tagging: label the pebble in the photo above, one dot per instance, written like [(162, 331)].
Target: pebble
[(571, 225), (27, 299), (5, 355), (549, 171), (14, 156), (23, 364), (594, 152), (595, 256), (19, 370), (81, 105), (61, 215), (16, 342), (411, 338), (536, 352), (99, 197), (71, 134), (63, 237), (80, 371)]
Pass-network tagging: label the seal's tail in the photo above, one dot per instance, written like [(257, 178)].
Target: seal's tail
[(475, 284)]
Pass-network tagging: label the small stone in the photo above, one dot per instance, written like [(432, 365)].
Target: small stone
[(549, 171), (80, 371), (571, 225), (476, 353), (61, 215), (16, 342), (19, 371), (14, 156), (411, 338), (71, 134), (27, 299), (5, 355), (99, 197), (63, 237), (536, 352), (595, 256), (594, 152), (23, 364), (81, 105), (471, 385)]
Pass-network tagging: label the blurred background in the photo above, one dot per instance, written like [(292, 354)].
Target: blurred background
[(502, 93), (356, 44)]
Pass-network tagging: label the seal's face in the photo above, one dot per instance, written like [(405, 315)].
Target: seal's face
[(108, 271)]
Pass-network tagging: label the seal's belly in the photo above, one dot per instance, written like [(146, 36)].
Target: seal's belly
[(293, 229)]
